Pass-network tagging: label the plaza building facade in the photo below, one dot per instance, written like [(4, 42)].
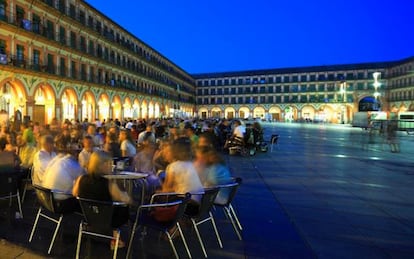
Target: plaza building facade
[(320, 93), (64, 59)]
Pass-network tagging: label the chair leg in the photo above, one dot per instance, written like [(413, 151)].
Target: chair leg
[(55, 233), (215, 230), (184, 241), (235, 217), (118, 234), (131, 238), (172, 244), (79, 240), (19, 203), (233, 223), (199, 238), (35, 224)]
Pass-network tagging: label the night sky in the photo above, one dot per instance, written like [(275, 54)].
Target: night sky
[(234, 35)]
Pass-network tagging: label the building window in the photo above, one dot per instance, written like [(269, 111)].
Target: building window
[(20, 53), (240, 100), (62, 35), (262, 99), (73, 70), (219, 82), (303, 78), (213, 82), (295, 79), (226, 91), (220, 91), (62, 67), (270, 80), (50, 30), (36, 59), (270, 99), (286, 79), (233, 90), (50, 64), (205, 91), (278, 79), (233, 100), (240, 81), (73, 39), (3, 10)]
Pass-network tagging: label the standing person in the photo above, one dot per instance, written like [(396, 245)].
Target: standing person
[(128, 148), (95, 186), (42, 158), (392, 136)]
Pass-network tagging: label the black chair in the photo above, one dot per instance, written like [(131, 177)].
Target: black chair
[(226, 194), (51, 209), (98, 221), (27, 182), (162, 217), (274, 140), (9, 189), (203, 215)]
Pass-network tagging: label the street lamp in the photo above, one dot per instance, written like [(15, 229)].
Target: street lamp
[(376, 84)]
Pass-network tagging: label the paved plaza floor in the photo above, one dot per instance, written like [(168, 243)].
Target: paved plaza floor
[(326, 191)]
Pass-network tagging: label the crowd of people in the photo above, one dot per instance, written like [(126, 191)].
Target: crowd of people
[(72, 157)]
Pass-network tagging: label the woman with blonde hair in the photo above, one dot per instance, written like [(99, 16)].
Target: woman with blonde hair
[(94, 186)]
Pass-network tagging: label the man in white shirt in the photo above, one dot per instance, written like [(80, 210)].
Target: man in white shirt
[(42, 158), (60, 175), (239, 130)]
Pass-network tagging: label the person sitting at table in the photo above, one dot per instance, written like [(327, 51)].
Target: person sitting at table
[(95, 186), (9, 161), (111, 145), (181, 175), (60, 175), (42, 158), (212, 170), (85, 154), (147, 134)]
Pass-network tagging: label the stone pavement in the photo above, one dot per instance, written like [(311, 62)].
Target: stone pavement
[(326, 191)]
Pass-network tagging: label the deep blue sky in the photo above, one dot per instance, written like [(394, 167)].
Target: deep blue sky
[(232, 35)]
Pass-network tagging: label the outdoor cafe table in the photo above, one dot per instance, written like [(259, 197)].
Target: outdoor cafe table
[(128, 178)]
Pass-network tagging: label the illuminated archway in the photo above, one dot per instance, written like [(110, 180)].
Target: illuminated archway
[(244, 112), (128, 109), (259, 112), (157, 113), (144, 110), (151, 110), (44, 106), (103, 107), (12, 102), (275, 113), (216, 112), (88, 106), (229, 113), (69, 104), (308, 113), (135, 106), (116, 107), (203, 113)]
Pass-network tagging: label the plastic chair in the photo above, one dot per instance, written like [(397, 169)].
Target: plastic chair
[(147, 217), (9, 189), (274, 140), (204, 215), (229, 190), (27, 182), (98, 221), (53, 208)]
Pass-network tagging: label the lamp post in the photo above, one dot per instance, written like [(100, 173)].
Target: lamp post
[(342, 91), (376, 84)]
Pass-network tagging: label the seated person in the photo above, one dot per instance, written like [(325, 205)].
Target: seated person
[(88, 149), (9, 161), (60, 175), (181, 175), (94, 186), (42, 158), (112, 145), (26, 153), (212, 170)]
